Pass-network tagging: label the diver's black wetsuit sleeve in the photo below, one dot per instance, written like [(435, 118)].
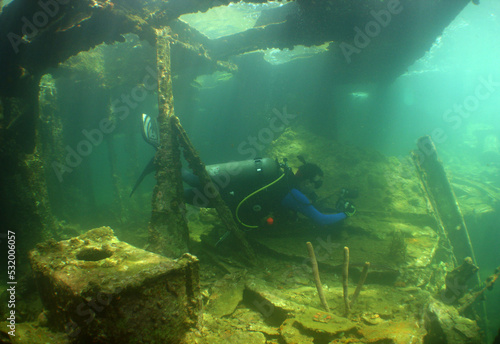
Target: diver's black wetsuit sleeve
[(297, 201)]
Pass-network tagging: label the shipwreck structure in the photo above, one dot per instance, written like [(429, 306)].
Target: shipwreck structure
[(420, 234), (365, 42)]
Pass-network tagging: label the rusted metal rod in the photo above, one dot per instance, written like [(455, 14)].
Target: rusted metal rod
[(345, 280), (319, 287), (362, 279)]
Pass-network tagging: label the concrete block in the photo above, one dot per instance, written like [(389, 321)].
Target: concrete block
[(101, 290)]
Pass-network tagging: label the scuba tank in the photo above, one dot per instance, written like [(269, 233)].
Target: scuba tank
[(240, 177), (263, 197), (236, 180), (252, 189)]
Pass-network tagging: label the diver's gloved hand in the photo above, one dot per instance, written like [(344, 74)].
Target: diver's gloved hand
[(349, 208)]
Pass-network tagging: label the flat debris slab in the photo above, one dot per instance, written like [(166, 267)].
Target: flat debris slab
[(226, 297), (232, 337), (323, 324), (394, 332), (291, 334), (96, 287), (270, 304), (235, 329)]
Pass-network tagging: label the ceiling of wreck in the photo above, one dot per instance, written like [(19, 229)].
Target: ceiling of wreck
[(365, 41)]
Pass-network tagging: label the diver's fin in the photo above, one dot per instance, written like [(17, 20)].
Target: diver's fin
[(150, 167), (150, 130)]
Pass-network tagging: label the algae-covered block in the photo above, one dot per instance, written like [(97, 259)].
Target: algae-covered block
[(101, 290)]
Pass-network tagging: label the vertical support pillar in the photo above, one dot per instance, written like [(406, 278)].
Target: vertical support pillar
[(25, 204), (50, 142), (168, 230), (115, 180), (48, 147)]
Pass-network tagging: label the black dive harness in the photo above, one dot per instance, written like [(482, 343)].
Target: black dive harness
[(286, 170)]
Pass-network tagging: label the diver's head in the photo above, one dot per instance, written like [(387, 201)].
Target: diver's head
[(309, 177)]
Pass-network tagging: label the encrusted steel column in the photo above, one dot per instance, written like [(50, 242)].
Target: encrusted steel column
[(168, 230)]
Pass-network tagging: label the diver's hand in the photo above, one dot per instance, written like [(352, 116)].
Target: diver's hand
[(349, 208)]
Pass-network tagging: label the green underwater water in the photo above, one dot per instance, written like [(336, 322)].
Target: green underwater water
[(222, 114), (452, 93)]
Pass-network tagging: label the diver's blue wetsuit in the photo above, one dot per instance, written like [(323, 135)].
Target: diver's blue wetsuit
[(294, 200), (297, 201)]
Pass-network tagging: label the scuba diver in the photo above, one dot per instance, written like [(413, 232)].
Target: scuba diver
[(258, 191)]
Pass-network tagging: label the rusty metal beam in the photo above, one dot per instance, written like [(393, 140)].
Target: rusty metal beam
[(443, 199), (223, 210)]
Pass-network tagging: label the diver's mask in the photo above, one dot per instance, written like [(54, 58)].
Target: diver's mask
[(317, 182)]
